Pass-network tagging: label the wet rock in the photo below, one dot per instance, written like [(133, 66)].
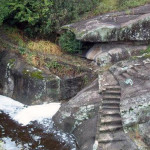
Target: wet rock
[(24, 127), (33, 135), (118, 26), (79, 115), (31, 85)]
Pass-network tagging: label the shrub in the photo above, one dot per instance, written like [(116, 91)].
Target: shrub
[(68, 43), (31, 15), (41, 18), (38, 17), (4, 11)]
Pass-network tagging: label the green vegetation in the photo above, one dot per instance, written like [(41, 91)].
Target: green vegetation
[(62, 69), (34, 74), (69, 43), (53, 65), (146, 53), (117, 5), (41, 18), (3, 10)]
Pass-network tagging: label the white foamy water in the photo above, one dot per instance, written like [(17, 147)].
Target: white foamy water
[(37, 112), (10, 145), (25, 114), (10, 106)]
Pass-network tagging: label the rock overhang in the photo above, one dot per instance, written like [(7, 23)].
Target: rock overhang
[(112, 27)]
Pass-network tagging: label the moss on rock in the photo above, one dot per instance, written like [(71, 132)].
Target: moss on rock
[(34, 74)]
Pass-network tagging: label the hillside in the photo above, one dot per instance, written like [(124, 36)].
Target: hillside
[(75, 75)]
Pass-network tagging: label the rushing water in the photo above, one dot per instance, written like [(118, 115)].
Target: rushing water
[(31, 127)]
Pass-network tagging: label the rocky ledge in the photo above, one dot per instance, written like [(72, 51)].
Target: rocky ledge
[(31, 85), (80, 116), (118, 118), (132, 25)]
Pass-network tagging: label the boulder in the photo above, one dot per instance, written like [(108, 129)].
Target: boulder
[(79, 116), (133, 77), (31, 85), (133, 25), (106, 54)]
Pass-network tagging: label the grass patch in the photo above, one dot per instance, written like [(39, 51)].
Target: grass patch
[(146, 51), (62, 69), (45, 47), (116, 5), (25, 44), (42, 54)]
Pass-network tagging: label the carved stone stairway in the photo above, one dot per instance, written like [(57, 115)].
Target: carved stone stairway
[(110, 122), (110, 134)]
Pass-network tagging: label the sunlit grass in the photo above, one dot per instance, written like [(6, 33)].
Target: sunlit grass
[(33, 51), (45, 47), (117, 5)]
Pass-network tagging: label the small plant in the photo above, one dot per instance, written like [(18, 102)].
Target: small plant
[(146, 51), (53, 65), (22, 50), (86, 80), (69, 43)]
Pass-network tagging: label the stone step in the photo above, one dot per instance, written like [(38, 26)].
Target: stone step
[(114, 122), (111, 115), (110, 108), (110, 112), (131, 72), (108, 141), (113, 87), (104, 137), (121, 78), (126, 75), (110, 119), (135, 69), (111, 97), (109, 128), (117, 101), (110, 137), (107, 104), (111, 92)]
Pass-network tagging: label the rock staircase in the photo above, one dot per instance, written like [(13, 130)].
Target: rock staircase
[(110, 134), (110, 122)]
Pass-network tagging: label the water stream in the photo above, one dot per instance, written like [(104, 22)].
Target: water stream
[(25, 127)]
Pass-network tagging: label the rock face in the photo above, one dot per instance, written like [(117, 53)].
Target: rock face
[(79, 116), (103, 118), (30, 85), (106, 54), (110, 134), (116, 114), (133, 77), (120, 26)]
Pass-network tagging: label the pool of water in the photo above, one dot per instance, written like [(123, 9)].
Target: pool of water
[(29, 128)]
